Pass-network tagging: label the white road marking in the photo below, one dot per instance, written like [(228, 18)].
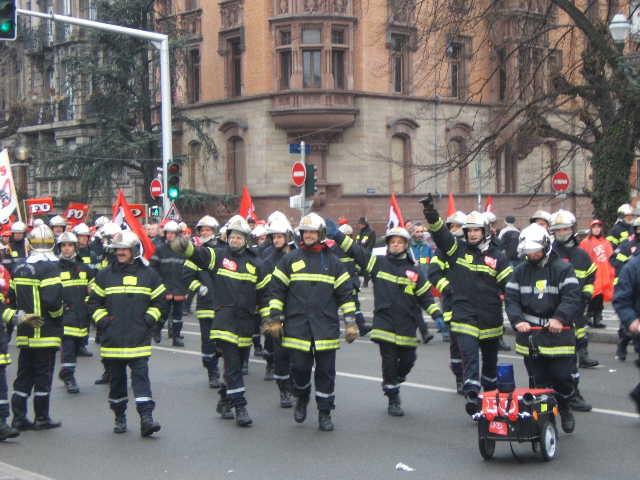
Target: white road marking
[(421, 386)]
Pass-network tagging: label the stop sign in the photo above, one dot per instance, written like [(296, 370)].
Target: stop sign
[(560, 182), (156, 188), (298, 174)]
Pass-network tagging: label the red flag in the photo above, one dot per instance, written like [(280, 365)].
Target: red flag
[(76, 213), (38, 206), (489, 205), (139, 210), (247, 208), (123, 216), (452, 205), (395, 214)]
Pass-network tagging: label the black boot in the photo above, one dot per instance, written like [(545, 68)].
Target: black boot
[(502, 346), (6, 431), (245, 366), (148, 426), (394, 409), (41, 407), (567, 421), (71, 385), (635, 397), (120, 425), (324, 421), (426, 336), (286, 400), (176, 340), (597, 320), (300, 412), (578, 403), (157, 333), (258, 351), (459, 385), (584, 361), (83, 352), (214, 376), (224, 405), (473, 404), (268, 372), (19, 409), (623, 342), (105, 379), (242, 416)]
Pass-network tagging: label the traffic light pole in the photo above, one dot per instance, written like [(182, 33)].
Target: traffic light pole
[(303, 189), (161, 42)]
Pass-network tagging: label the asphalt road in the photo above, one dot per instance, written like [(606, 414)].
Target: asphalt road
[(435, 437)]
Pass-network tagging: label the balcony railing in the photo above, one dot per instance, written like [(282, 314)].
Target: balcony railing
[(185, 24)]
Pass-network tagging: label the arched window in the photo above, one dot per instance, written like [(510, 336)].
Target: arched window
[(236, 165), (195, 148), (400, 178), (458, 177)]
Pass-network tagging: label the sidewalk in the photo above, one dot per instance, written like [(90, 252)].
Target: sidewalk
[(9, 472)]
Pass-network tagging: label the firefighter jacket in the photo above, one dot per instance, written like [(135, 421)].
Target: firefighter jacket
[(195, 277), (585, 271), (127, 301), (6, 316), (18, 253), (308, 286), (97, 248), (366, 238), (477, 277), (75, 276), (88, 257), (240, 288), (437, 274), (626, 300), (169, 266), (349, 264), (620, 232), (400, 289), (625, 252), (36, 288), (537, 293)]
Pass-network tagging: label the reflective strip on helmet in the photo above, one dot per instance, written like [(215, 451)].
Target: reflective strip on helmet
[(125, 352), (296, 344), (342, 279), (391, 337), (332, 344), (280, 275), (75, 331), (243, 277), (313, 277)]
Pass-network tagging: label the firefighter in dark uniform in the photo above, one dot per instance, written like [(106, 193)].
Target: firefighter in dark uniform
[(6, 318), (478, 274), (37, 297), (626, 303), (17, 244), (75, 276), (439, 270), (567, 247), (400, 290), (623, 227), (544, 292), (240, 288), (169, 266), (199, 280), (127, 300), (281, 234), (97, 245), (309, 286), (58, 225), (90, 259), (366, 238), (621, 256)]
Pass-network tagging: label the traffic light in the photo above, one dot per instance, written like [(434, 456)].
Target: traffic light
[(7, 19), (311, 183), (173, 180)]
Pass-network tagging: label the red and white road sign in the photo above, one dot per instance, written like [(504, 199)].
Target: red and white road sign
[(298, 174), (156, 188), (560, 182)]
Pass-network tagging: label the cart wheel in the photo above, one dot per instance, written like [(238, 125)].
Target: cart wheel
[(548, 440), (487, 448)]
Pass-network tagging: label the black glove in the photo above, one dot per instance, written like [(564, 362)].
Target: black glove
[(429, 209)]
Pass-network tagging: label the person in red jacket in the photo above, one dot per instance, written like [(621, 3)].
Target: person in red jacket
[(600, 250)]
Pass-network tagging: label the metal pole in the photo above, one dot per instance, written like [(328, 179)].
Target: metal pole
[(435, 143), (159, 41), (478, 175), (303, 198)]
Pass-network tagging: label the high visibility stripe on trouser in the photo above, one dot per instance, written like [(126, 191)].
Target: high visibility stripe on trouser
[(140, 383), (391, 337), (241, 342), (302, 364), (481, 334), (125, 352), (75, 331)]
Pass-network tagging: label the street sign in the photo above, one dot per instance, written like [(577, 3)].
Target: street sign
[(298, 174), (173, 213), (560, 182), (156, 188), (294, 148), (155, 211)]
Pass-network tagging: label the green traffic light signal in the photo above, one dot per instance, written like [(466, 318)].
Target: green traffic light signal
[(7, 20), (310, 184), (174, 192), (173, 181)]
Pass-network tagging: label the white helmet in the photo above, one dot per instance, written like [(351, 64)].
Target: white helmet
[(397, 232), (458, 218), (475, 219), (183, 226), (540, 215), (624, 210), (277, 215), (18, 227), (37, 222), (491, 217), (346, 229), (238, 224), (81, 229), (41, 239), (534, 238), (562, 219), (208, 221), (636, 222), (312, 222), (259, 231), (101, 221), (67, 237), (110, 229), (171, 226), (127, 239), (57, 221), (279, 225)]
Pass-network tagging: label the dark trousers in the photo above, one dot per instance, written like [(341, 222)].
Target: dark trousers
[(596, 305), (397, 362), (69, 354), (624, 339), (174, 313), (324, 378), (455, 358), (35, 372), (281, 365), (233, 381), (553, 372), (4, 394), (140, 384), (207, 346), (470, 349)]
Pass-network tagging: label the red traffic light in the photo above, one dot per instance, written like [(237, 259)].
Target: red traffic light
[(174, 168)]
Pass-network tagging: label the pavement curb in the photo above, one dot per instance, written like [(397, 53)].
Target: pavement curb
[(10, 472)]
